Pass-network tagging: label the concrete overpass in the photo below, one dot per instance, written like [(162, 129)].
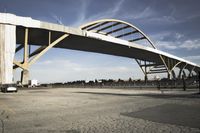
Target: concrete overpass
[(107, 36)]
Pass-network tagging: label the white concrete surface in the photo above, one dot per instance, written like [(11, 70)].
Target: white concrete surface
[(7, 47)]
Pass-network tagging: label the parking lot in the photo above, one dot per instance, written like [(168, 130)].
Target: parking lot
[(74, 110)]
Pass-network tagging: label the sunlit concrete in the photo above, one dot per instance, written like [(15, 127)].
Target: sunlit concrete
[(7, 52)]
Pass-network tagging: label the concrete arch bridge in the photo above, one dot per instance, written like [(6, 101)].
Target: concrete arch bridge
[(107, 36)]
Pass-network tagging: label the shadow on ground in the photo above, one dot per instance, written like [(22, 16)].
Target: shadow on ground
[(176, 114), (161, 95)]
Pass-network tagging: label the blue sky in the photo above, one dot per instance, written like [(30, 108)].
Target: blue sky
[(173, 25)]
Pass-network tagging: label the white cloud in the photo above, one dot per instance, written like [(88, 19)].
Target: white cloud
[(177, 44), (160, 35), (147, 12), (191, 44), (192, 58), (164, 19), (57, 19), (193, 16), (82, 12), (60, 63), (110, 13), (167, 34), (166, 45), (178, 35)]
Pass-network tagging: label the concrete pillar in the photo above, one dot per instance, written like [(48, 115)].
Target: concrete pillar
[(7, 52), (180, 72), (173, 74), (24, 77), (169, 75), (184, 74), (145, 78)]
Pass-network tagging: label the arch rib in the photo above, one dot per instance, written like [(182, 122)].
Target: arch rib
[(103, 25), (128, 25), (168, 64)]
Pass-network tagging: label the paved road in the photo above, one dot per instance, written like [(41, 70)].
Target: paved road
[(99, 110)]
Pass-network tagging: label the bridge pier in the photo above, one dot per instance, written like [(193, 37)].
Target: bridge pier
[(145, 78), (7, 52), (169, 76), (25, 77)]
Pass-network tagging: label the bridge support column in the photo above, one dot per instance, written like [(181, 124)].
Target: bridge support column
[(169, 76), (173, 74), (145, 78), (7, 52), (181, 71), (25, 72), (25, 77), (190, 72)]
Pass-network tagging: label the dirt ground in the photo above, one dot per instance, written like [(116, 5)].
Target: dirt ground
[(75, 110)]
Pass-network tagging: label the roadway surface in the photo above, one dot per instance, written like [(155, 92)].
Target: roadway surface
[(99, 110)]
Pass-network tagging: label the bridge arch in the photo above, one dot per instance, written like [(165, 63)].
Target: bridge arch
[(111, 26)]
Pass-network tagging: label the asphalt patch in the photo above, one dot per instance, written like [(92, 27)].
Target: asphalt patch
[(183, 115)]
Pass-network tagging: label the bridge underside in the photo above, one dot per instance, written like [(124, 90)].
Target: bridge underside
[(44, 38), (41, 38)]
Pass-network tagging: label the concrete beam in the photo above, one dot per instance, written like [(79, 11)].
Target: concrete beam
[(47, 48), (7, 52)]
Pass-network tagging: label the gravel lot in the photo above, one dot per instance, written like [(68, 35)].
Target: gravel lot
[(73, 110)]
